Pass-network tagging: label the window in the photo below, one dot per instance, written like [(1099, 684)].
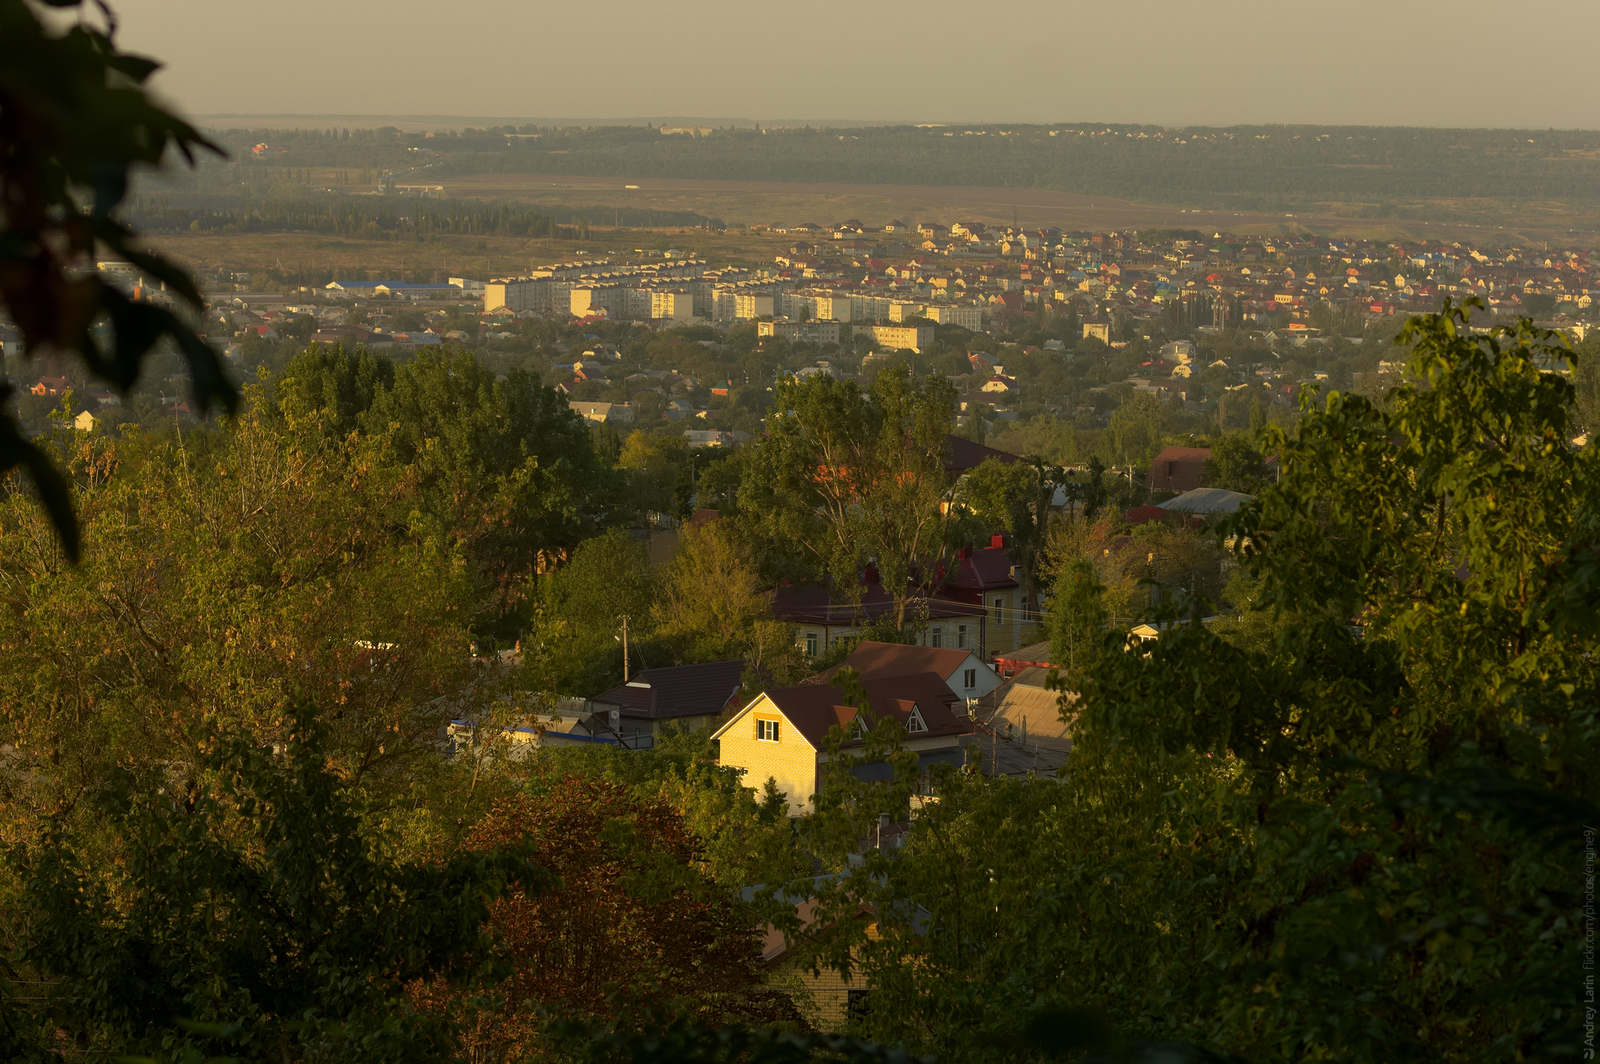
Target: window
[(811, 644), (969, 679), (936, 638), (999, 604), (915, 723), (961, 637), (767, 730), (855, 1006)]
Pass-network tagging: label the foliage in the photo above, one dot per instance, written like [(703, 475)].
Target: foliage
[(843, 477), (74, 122), (633, 925), (245, 913), (712, 608), (229, 573), (1077, 619), (657, 469), (576, 636), (1235, 464), (506, 469), (1415, 778), (1018, 498), (332, 387), (1586, 386)]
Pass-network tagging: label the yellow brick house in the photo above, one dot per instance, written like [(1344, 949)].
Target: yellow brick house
[(782, 734)]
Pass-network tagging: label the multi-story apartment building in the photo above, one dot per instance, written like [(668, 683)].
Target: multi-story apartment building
[(965, 315), (674, 303), (913, 337)]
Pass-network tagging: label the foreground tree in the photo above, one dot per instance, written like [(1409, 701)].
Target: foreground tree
[(1410, 744), (75, 120), (230, 573), (1347, 832), (244, 914), (634, 928)]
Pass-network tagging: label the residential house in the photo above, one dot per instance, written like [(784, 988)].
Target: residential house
[(782, 735), (1098, 328), (615, 413), (962, 670), (686, 696), (51, 386), (821, 619), (988, 579), (1177, 469)]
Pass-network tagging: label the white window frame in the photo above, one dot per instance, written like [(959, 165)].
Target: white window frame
[(768, 731), (969, 679)]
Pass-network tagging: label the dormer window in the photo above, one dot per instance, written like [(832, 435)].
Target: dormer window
[(915, 723)]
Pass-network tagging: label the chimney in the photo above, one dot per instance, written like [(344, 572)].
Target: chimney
[(964, 553), (883, 825), (997, 541)]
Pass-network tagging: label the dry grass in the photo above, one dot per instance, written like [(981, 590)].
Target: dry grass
[(742, 203)]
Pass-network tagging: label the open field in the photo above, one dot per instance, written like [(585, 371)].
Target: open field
[(472, 256), (741, 203), (744, 203)]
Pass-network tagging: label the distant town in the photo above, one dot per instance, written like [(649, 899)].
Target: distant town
[(1029, 322)]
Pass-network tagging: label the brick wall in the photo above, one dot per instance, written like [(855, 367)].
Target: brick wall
[(791, 761)]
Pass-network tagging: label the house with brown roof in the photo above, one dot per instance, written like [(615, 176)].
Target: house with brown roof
[(1177, 469), (962, 670), (989, 579), (961, 455), (822, 618), (783, 735)]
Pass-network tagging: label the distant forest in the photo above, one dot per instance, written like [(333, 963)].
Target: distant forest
[(1368, 169)]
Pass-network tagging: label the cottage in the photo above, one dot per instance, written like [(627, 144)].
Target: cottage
[(686, 696), (782, 735), (1177, 469)]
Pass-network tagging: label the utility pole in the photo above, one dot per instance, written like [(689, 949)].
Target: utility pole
[(624, 648)]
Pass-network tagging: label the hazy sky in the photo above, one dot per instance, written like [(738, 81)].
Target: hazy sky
[(1388, 62)]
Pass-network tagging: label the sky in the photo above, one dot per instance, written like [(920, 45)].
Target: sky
[(1222, 62)]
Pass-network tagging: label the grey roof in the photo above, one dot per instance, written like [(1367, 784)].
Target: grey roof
[(1207, 501)]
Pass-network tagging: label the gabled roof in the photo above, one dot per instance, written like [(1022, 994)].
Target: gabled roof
[(874, 661), (1206, 501), (815, 708), (962, 455), (1183, 454), (679, 691)]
